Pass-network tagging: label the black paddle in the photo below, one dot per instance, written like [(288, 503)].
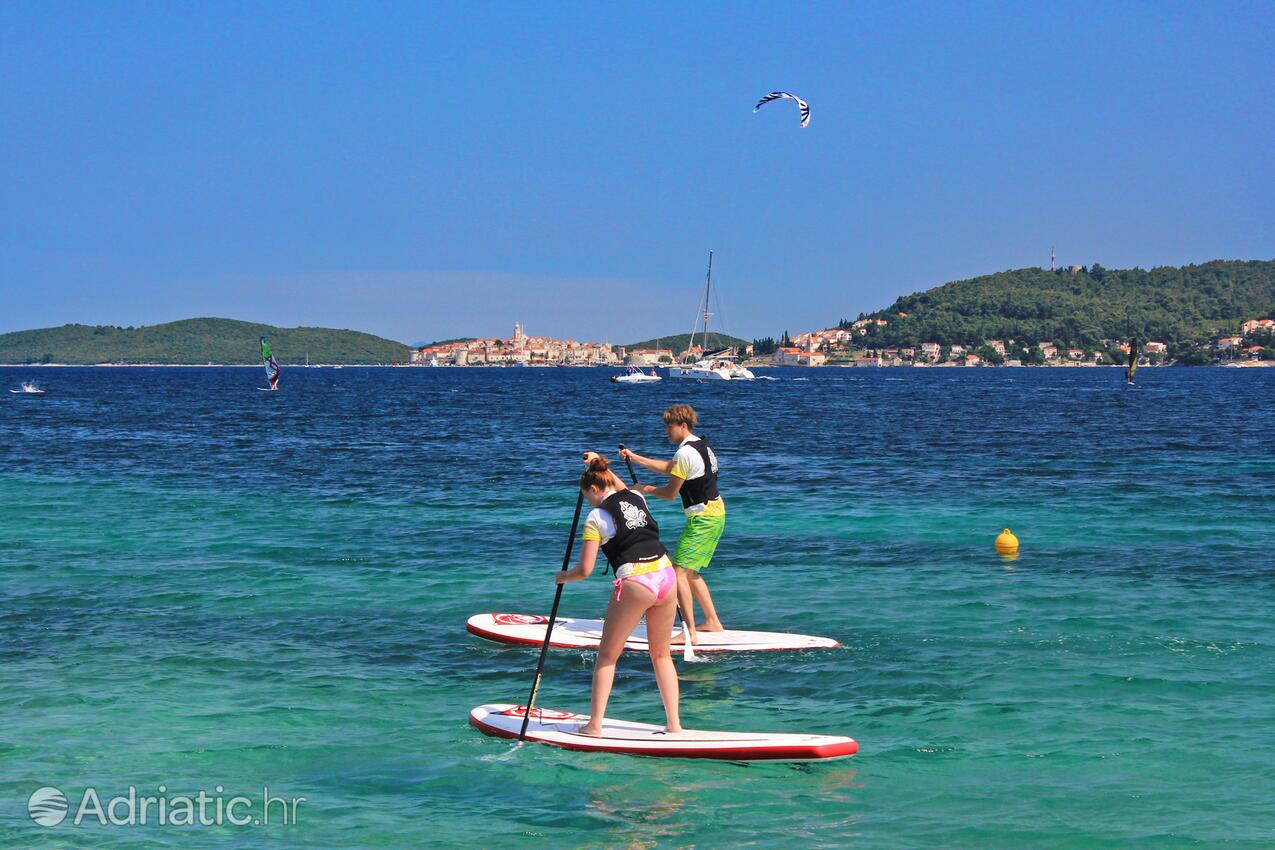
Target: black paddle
[(688, 651), (553, 614)]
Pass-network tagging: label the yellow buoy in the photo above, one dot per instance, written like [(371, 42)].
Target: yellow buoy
[(1006, 542)]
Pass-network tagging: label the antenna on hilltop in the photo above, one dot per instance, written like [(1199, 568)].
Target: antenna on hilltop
[(1053, 258)]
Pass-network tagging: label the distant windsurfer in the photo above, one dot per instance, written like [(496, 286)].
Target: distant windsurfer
[(272, 365), (693, 476), (1132, 368), (645, 583)]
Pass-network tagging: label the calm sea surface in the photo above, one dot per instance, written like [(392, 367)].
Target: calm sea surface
[(203, 585)]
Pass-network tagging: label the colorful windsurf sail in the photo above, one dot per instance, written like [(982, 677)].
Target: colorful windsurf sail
[(272, 366), (1132, 368)]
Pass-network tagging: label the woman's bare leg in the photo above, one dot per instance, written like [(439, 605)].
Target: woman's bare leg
[(622, 619), (659, 622)]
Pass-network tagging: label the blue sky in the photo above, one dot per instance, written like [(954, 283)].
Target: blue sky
[(431, 170)]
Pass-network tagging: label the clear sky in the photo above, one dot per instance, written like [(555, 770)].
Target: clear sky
[(428, 170)]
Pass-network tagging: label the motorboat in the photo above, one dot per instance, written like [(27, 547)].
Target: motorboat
[(634, 375)]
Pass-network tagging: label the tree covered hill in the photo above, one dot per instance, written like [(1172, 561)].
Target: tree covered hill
[(196, 341), (678, 342), (1168, 304)]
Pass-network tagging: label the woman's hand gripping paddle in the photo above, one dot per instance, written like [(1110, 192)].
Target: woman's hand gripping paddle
[(553, 615), (688, 651)]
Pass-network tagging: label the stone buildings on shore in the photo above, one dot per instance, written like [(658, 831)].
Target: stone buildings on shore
[(832, 346), (518, 350)]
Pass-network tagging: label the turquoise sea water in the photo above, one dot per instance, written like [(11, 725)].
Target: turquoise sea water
[(202, 585)]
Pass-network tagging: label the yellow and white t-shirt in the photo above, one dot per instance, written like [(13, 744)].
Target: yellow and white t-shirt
[(688, 465)]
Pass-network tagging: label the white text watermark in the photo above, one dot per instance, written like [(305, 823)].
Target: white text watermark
[(50, 807)]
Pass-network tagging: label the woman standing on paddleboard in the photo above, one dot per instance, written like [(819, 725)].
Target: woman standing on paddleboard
[(692, 475), (622, 527)]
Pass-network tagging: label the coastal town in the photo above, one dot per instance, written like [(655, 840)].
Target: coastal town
[(518, 350), (839, 346)]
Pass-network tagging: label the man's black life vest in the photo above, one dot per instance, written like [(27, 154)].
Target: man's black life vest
[(698, 491), (637, 536)]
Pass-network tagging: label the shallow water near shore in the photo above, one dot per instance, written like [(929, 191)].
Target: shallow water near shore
[(204, 585)]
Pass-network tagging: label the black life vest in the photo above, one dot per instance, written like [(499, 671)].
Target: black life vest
[(637, 535), (698, 491)]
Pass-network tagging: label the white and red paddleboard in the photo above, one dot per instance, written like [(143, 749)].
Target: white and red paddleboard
[(570, 633), (560, 729)]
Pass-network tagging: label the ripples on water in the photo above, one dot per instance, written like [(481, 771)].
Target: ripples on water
[(203, 584)]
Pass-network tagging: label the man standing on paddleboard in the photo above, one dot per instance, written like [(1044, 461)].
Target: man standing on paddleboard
[(693, 475)]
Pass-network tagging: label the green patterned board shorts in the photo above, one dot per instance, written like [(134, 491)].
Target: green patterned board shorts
[(698, 542)]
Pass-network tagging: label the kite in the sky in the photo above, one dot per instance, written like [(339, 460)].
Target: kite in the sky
[(780, 95)]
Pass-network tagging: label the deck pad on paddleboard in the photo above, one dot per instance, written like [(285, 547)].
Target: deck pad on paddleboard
[(561, 729), (571, 633)]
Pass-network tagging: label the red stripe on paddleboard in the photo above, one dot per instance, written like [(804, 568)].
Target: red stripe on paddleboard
[(497, 637), (755, 753)]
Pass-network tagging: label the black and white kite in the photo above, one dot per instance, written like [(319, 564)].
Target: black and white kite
[(780, 95)]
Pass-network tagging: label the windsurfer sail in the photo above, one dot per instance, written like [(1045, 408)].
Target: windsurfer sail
[(1132, 368), (272, 366)]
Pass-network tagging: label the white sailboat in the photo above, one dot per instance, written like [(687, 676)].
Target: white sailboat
[(714, 365)]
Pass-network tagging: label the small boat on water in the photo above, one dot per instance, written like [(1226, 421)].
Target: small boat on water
[(28, 388), (634, 375)]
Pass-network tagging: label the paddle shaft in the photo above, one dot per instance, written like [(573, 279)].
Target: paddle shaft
[(553, 615)]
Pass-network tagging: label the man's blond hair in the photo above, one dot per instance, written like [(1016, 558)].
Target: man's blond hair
[(680, 414)]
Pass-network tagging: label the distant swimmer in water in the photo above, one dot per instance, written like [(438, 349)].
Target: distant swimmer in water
[(645, 584), (692, 475)]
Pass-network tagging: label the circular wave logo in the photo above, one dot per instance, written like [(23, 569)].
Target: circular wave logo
[(47, 806)]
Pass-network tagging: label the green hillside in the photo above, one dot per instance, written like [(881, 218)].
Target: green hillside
[(1174, 305), (678, 342), (196, 341)]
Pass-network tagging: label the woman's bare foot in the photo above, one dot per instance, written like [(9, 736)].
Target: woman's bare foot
[(715, 626), (671, 730), (678, 640), (590, 730)]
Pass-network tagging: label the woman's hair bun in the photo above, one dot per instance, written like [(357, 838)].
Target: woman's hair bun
[(599, 474)]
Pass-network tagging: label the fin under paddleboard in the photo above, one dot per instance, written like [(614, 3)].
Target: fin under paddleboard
[(569, 633), (561, 729)]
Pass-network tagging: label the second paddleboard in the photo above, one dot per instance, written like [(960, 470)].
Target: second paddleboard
[(571, 633)]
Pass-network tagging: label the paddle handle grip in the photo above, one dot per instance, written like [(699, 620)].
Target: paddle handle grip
[(632, 474)]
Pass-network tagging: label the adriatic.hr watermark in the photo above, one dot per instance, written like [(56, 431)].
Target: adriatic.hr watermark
[(48, 806)]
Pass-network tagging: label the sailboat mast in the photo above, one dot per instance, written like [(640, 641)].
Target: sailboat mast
[(708, 287)]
